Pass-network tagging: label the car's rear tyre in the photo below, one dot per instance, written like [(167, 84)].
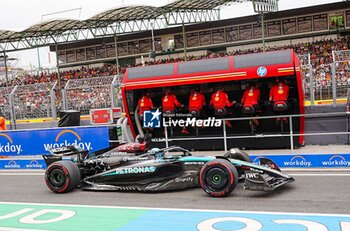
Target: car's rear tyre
[(218, 178), (62, 176)]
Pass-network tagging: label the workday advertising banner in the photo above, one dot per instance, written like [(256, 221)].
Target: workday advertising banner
[(308, 160), (36, 142), (22, 164)]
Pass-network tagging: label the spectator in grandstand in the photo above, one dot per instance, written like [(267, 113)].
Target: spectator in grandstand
[(278, 96), (220, 102), (2, 122), (250, 101)]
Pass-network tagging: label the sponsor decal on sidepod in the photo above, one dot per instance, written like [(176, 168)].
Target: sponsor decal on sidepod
[(135, 170)]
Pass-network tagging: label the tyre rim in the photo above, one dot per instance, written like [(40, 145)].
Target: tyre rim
[(57, 178), (216, 179)]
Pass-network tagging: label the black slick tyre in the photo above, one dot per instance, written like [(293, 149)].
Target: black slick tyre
[(218, 177), (62, 176)]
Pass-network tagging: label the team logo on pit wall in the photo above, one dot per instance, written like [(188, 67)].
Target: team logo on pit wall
[(262, 71)]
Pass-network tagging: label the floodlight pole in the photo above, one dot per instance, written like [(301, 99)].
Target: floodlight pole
[(184, 40), (116, 53), (58, 70), (263, 31), (153, 43), (262, 7), (6, 73), (39, 64), (37, 49)]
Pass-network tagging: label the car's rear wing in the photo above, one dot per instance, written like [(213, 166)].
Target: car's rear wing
[(58, 153), (66, 151)]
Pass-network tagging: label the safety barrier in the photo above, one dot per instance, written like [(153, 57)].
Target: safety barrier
[(308, 160), (19, 146), (37, 142), (91, 93), (12, 164), (304, 161), (290, 133)]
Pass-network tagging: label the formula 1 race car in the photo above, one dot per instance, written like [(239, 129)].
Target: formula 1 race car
[(156, 170)]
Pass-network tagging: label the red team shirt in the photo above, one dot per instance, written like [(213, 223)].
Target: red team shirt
[(145, 104), (2, 124), (279, 92), (219, 99), (251, 96), (169, 102), (196, 102)]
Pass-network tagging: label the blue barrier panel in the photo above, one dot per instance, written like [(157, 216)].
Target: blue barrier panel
[(22, 164), (308, 160), (283, 161), (36, 142)]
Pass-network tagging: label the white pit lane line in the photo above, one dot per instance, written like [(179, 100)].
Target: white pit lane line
[(14, 229), (318, 174), (21, 174), (175, 209)]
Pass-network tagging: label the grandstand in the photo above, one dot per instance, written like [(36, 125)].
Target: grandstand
[(309, 31)]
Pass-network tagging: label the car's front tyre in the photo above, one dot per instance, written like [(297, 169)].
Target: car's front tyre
[(218, 177), (62, 176)]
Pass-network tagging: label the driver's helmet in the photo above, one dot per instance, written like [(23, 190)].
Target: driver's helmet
[(234, 150), (154, 151), (159, 154)]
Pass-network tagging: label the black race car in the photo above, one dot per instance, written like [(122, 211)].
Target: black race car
[(155, 170)]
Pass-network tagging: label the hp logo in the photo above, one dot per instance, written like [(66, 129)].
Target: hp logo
[(262, 71)]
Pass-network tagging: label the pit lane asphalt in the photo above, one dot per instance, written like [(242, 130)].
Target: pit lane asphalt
[(310, 193)]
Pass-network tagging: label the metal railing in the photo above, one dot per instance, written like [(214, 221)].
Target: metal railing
[(90, 93), (327, 81), (326, 92), (291, 134), (33, 101), (307, 77), (340, 70), (5, 100)]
